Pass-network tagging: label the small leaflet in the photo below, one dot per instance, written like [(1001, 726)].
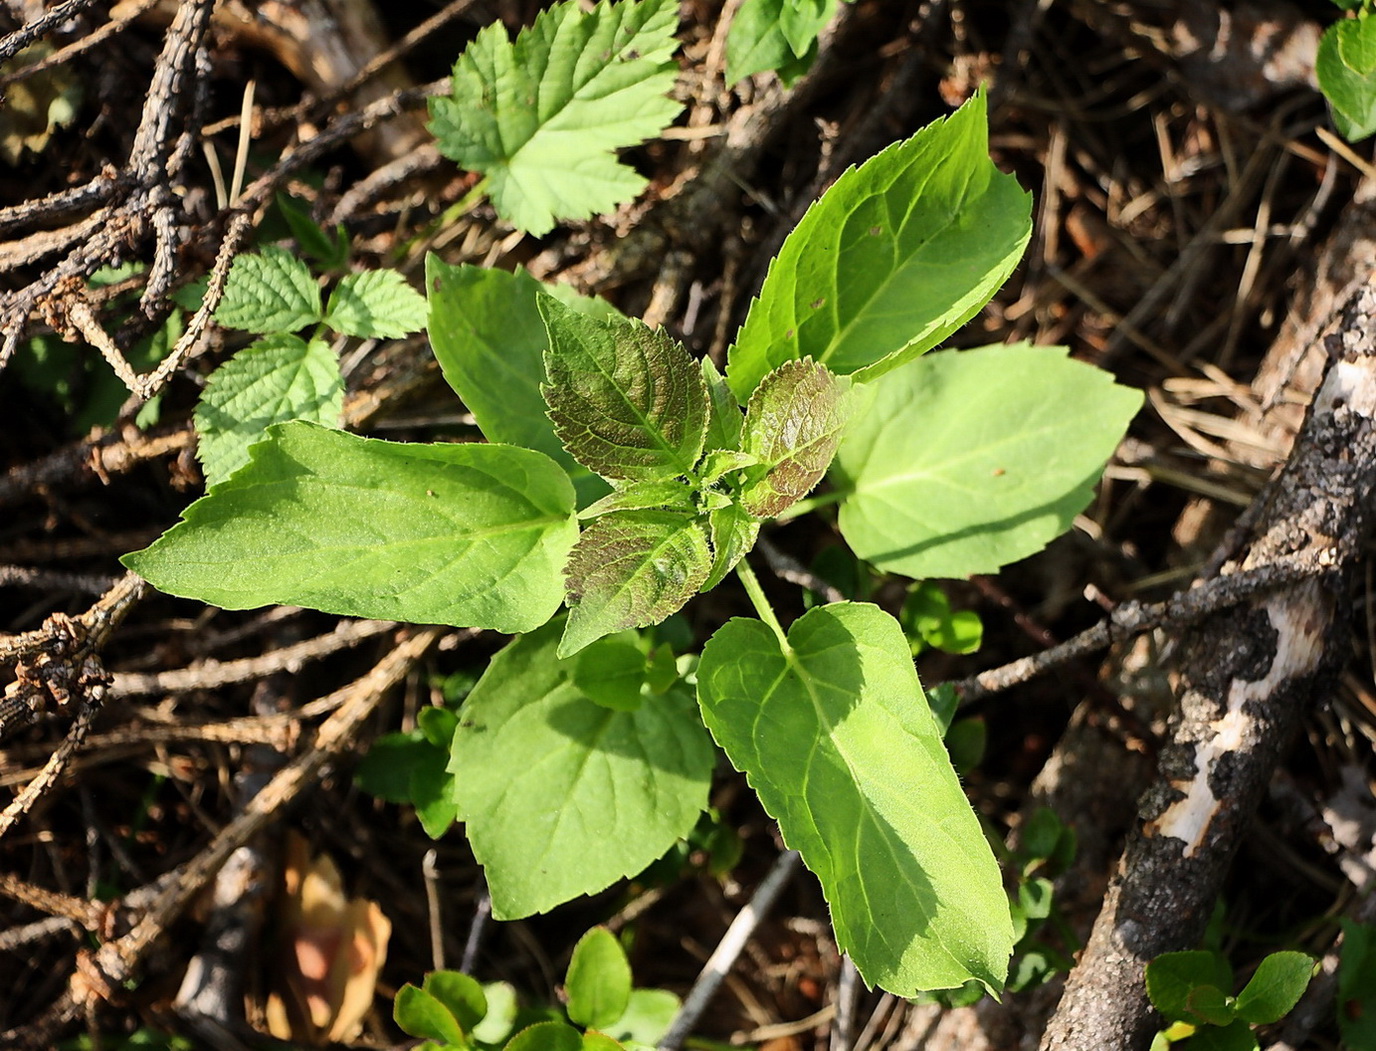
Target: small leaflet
[(631, 569), (627, 401), (375, 304), (734, 531), (792, 426), (269, 291)]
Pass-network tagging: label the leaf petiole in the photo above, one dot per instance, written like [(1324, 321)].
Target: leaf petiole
[(761, 604), (812, 503)]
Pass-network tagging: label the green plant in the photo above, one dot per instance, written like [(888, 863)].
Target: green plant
[(541, 117), (1191, 989), (777, 35), (582, 754), (282, 376), (1357, 985), (453, 1012), (1346, 68)]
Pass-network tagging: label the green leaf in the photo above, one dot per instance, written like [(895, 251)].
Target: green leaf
[(490, 341), (725, 419), (756, 42), (276, 379), (437, 534), (1357, 44), (420, 1014), (563, 796), (648, 1016), (627, 401), (500, 1019), (1351, 95), (610, 672), (599, 980), (928, 619), (1357, 985), (968, 460), (801, 21), (331, 251), (644, 496), (594, 1041), (1276, 987), (269, 291), (385, 771), (733, 532), (792, 427), (631, 569), (375, 304), (895, 256), (1173, 976), (836, 738), (462, 996), (547, 1036), (541, 118), (1236, 1036)]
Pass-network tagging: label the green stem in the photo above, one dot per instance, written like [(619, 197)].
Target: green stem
[(811, 503), (758, 600)]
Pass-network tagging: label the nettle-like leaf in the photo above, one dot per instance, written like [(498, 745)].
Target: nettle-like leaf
[(542, 117), (375, 304), (490, 341), (563, 796), (269, 291), (469, 535), (774, 35), (792, 427), (894, 257), (968, 460), (631, 569), (726, 419), (276, 379), (835, 736), (626, 400)]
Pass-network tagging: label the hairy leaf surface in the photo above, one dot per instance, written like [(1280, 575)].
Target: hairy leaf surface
[(631, 569), (792, 427), (269, 291), (733, 531), (835, 736), (894, 257), (276, 379), (626, 400), (563, 796), (469, 535), (542, 117), (968, 460), (375, 304)]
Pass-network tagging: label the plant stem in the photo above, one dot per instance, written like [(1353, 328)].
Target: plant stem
[(811, 503), (758, 600)]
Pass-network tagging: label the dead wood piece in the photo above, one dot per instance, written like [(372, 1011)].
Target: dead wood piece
[(25, 35), (1245, 680)]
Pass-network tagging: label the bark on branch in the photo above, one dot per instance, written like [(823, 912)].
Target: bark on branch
[(1245, 679)]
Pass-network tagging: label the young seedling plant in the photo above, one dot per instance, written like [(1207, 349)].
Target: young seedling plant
[(1191, 989), (620, 478)]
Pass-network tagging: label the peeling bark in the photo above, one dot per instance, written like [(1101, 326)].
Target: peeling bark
[(1245, 679)]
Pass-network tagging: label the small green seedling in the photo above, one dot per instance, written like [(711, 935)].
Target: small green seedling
[(1191, 989), (621, 478), (1346, 68), (776, 35), (602, 1009)]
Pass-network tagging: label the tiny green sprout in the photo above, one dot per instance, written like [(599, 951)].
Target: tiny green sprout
[(1192, 992)]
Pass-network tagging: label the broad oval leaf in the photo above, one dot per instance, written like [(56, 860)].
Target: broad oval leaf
[(894, 257), (1276, 987), (631, 569), (1351, 94), (598, 983), (276, 379), (626, 400), (835, 736), (792, 427), (541, 117), (421, 1014), (968, 460), (469, 535), (461, 995), (563, 796)]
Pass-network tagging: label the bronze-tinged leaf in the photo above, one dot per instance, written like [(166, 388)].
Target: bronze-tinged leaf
[(627, 401), (631, 569), (792, 425)]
